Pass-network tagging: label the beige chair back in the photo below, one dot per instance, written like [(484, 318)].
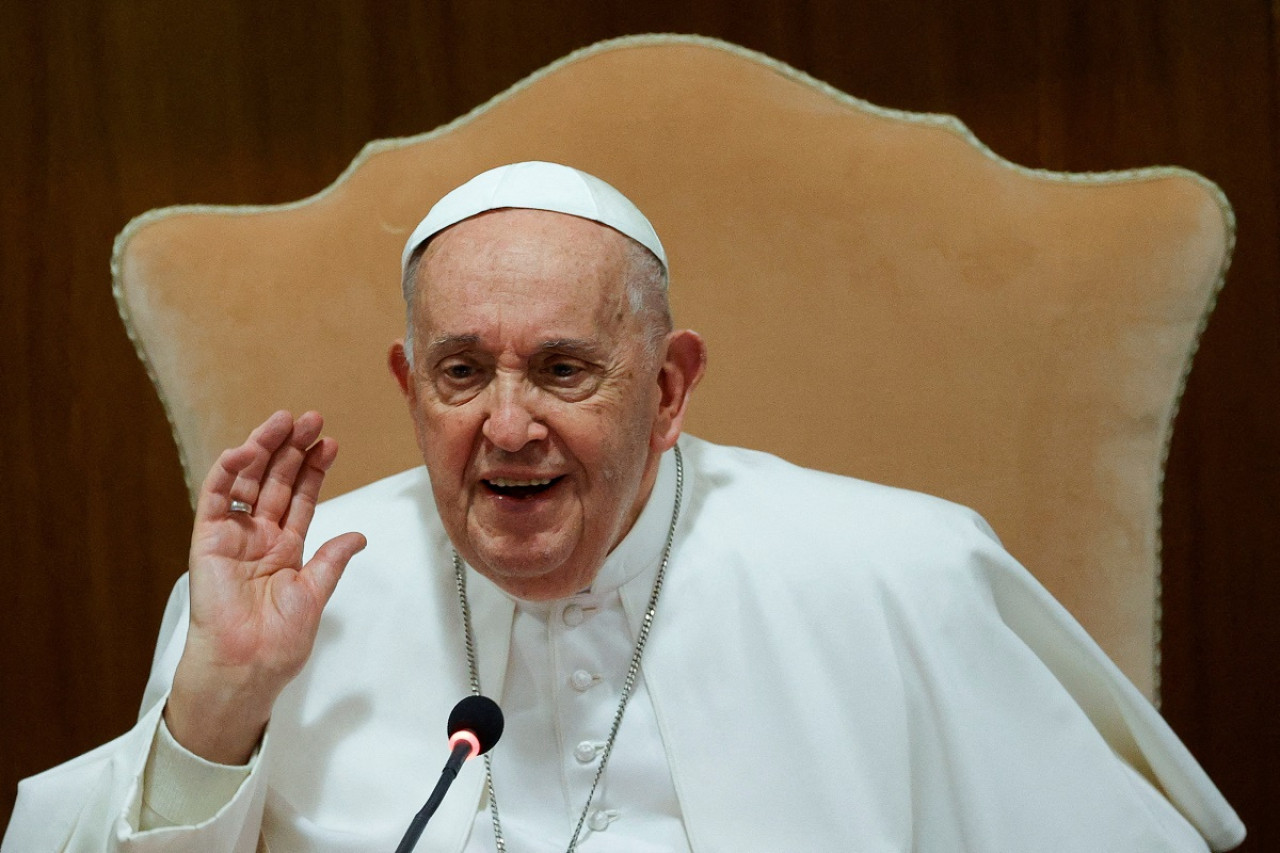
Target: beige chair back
[(882, 297)]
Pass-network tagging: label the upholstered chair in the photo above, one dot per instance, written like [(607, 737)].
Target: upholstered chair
[(882, 296)]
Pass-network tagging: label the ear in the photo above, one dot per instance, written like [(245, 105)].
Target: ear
[(398, 362), (682, 368)]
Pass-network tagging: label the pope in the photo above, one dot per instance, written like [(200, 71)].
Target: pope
[(697, 648)]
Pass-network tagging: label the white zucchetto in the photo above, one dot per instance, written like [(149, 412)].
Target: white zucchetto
[(537, 185)]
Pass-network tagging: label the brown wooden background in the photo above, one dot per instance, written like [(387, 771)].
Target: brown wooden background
[(111, 107)]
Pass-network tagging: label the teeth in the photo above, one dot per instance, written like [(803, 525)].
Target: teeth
[(507, 484)]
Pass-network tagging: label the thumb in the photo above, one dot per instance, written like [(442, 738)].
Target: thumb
[(325, 568)]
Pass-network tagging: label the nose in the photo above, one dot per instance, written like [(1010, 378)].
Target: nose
[(511, 422)]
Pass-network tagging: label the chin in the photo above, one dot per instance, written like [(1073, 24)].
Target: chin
[(540, 587), (540, 577)]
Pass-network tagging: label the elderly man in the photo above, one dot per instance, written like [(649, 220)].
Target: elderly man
[(696, 647)]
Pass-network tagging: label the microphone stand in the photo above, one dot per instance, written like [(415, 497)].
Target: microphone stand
[(462, 750)]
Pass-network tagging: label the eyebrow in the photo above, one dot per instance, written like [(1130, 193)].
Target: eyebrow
[(573, 346), (451, 341)]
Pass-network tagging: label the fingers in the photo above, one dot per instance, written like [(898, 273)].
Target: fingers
[(235, 474), (306, 492), (280, 457), (326, 566), (281, 472)]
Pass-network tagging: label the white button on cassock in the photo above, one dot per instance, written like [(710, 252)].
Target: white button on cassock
[(582, 680), (601, 818), (573, 615), (585, 752)]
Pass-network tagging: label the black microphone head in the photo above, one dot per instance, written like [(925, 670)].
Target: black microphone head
[(479, 715)]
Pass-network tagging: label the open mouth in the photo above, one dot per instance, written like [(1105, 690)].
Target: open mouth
[(520, 489)]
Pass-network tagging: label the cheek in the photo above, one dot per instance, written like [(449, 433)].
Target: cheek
[(612, 438), (445, 440)]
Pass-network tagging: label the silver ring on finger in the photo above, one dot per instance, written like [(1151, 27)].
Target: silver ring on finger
[(241, 506)]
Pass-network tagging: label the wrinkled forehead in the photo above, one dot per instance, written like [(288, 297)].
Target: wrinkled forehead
[(526, 281), (535, 185), (533, 262), (510, 232)]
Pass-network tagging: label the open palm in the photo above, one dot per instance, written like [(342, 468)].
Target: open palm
[(255, 608)]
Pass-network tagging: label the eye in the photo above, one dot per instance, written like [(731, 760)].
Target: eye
[(571, 379), (563, 373), (459, 371)]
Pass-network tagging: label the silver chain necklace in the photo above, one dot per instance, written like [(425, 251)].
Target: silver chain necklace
[(633, 670)]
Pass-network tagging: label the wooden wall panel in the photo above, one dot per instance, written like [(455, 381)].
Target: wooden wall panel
[(111, 107)]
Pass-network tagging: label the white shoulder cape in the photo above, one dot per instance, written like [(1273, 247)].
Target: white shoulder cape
[(835, 666)]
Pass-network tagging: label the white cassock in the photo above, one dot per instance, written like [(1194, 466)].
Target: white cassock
[(834, 666)]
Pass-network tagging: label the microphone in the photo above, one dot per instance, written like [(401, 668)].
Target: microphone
[(475, 724), (478, 721)]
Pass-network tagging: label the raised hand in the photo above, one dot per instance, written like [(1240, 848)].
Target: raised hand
[(255, 608)]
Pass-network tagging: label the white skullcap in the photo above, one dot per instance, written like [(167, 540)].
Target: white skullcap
[(536, 185)]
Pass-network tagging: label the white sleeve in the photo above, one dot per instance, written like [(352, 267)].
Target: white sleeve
[(93, 803), (179, 788)]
